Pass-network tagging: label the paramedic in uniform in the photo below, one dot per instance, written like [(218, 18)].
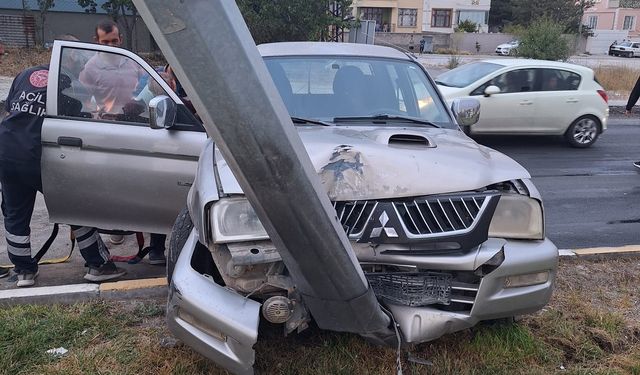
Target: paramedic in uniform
[(20, 153)]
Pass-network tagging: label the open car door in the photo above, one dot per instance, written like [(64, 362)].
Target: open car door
[(102, 165)]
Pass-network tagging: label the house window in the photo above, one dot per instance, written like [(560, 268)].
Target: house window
[(441, 18), (477, 17), (375, 14), (407, 17), (593, 22), (628, 23)]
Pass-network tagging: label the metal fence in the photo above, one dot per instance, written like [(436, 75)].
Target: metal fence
[(18, 30)]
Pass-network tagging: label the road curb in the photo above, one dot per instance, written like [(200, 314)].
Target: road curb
[(121, 290), (602, 252)]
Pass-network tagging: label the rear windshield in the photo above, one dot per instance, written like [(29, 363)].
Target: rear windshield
[(467, 74)]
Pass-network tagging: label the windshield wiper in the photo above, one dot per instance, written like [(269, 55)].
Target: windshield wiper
[(385, 117), (302, 120), (442, 83)]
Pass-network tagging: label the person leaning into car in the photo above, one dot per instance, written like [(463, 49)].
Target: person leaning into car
[(633, 99), (20, 154)]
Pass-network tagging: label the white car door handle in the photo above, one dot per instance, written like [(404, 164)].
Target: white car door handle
[(526, 102), (572, 100)]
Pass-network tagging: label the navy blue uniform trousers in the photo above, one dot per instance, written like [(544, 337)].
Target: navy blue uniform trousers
[(20, 183)]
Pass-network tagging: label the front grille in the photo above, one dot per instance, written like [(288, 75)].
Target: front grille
[(463, 295), (454, 291), (412, 289), (439, 215), (417, 218), (354, 215)]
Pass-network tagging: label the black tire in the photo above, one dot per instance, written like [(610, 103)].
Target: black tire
[(583, 132), (179, 234)]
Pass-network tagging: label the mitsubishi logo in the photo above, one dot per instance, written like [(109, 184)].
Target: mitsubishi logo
[(389, 231)]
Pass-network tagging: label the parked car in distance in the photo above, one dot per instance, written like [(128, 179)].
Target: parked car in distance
[(421, 203), (532, 97), (625, 49), (509, 48)]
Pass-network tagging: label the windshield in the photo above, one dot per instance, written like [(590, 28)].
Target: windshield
[(333, 89), (467, 74), (625, 44)]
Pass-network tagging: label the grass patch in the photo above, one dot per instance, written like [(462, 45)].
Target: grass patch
[(584, 330)]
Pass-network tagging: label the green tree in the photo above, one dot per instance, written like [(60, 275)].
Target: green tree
[(466, 26), (567, 13), (291, 20), (43, 10), (501, 14), (522, 12), (543, 40), (123, 12)]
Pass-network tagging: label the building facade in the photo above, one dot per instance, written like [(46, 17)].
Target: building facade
[(393, 16), (619, 15), (444, 15)]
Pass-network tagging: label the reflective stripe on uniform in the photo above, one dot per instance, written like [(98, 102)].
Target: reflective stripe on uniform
[(88, 242), (19, 251), (82, 231), (102, 250), (17, 239)]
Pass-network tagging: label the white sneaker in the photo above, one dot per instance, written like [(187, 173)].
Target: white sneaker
[(116, 239), (26, 279)]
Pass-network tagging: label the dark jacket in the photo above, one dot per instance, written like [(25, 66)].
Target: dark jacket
[(634, 95)]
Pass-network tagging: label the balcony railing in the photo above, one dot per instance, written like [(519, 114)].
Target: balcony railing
[(627, 3)]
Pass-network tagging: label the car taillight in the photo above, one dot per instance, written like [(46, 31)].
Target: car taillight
[(604, 96)]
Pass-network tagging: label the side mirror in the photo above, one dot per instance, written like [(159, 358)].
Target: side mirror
[(162, 112), (466, 111), (491, 90)]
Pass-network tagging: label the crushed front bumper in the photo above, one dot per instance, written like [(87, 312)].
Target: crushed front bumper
[(223, 326), (493, 299), (217, 322)]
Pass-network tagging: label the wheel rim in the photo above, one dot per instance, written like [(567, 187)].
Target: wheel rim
[(585, 131)]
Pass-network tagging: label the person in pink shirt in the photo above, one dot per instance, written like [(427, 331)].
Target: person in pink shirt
[(111, 79)]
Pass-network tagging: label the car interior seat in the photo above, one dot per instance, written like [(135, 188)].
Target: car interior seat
[(350, 92), (283, 85)]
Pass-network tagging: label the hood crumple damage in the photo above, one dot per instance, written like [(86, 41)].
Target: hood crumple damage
[(360, 163)]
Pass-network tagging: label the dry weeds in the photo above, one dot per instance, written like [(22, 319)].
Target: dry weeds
[(18, 59), (618, 81)]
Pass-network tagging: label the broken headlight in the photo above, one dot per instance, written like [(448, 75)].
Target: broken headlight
[(519, 217), (234, 220)]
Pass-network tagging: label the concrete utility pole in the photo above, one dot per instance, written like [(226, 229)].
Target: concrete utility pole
[(215, 58)]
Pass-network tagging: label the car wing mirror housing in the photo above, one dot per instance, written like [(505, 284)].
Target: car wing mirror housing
[(466, 111), (162, 112), (491, 90)]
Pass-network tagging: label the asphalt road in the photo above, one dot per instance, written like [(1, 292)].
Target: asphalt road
[(591, 196)]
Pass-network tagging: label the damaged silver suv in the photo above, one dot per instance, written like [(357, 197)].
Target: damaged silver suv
[(447, 232)]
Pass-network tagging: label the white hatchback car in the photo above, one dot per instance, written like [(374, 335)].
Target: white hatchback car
[(519, 96)]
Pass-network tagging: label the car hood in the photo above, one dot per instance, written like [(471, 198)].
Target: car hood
[(504, 45), (360, 163), (453, 92)]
